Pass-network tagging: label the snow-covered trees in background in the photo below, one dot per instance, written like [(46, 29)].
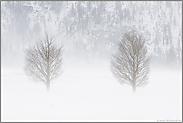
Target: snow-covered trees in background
[(43, 61), (131, 64), (93, 26)]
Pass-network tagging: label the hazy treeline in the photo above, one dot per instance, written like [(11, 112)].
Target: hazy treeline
[(93, 28)]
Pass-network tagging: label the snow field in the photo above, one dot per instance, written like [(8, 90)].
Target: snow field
[(90, 93)]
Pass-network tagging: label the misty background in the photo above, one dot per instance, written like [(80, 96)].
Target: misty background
[(92, 29), (90, 32)]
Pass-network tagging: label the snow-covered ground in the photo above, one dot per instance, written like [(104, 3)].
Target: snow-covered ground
[(89, 92)]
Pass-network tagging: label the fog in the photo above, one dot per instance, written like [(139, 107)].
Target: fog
[(90, 33)]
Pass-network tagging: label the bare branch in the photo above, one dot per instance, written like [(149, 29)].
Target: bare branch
[(43, 62), (131, 64)]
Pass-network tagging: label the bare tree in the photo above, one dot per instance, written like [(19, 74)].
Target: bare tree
[(131, 64), (43, 61)]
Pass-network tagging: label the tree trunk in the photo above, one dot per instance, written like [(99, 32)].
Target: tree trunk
[(134, 85), (134, 88), (48, 84)]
